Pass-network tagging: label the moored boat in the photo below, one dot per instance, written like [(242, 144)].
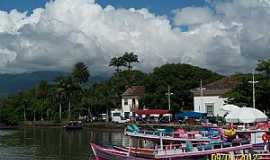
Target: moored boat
[(164, 152), (171, 136), (74, 125)]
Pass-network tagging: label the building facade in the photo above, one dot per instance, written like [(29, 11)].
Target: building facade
[(130, 100), (210, 98)]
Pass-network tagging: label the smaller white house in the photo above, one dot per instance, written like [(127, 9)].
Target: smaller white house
[(210, 98), (130, 100)]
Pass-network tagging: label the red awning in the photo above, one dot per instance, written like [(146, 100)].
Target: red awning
[(152, 111)]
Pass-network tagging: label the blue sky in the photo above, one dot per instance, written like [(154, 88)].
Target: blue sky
[(159, 7)]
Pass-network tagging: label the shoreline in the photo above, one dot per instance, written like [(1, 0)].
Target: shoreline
[(95, 125), (102, 125)]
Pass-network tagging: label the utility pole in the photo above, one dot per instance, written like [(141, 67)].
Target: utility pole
[(169, 100), (253, 82)]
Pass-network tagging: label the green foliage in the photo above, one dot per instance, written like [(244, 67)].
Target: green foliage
[(264, 67), (242, 95), (80, 73), (181, 78), (9, 115), (118, 62), (44, 100), (130, 58), (126, 60)]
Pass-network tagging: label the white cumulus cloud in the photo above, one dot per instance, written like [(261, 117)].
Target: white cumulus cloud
[(227, 38)]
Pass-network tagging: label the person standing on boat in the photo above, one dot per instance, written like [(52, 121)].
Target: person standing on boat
[(266, 140)]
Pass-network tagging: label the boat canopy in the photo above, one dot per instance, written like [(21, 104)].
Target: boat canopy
[(196, 115)]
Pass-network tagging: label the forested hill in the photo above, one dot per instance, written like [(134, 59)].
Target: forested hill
[(13, 83)]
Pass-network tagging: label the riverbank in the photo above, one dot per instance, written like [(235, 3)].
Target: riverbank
[(108, 125), (3, 126), (96, 125)]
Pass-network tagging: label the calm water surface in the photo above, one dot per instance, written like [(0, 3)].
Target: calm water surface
[(54, 143)]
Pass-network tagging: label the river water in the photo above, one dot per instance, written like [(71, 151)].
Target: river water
[(55, 143)]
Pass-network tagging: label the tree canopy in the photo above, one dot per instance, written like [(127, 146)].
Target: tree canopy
[(67, 98), (264, 67)]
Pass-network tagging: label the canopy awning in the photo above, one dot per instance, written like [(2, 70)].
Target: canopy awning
[(152, 111), (246, 115)]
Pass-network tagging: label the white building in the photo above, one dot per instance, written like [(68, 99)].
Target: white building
[(210, 98), (130, 100)]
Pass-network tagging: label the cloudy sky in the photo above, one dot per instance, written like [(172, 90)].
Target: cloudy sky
[(226, 36)]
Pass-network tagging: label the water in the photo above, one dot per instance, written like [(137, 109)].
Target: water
[(54, 143)]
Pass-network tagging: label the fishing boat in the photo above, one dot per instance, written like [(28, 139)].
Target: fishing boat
[(166, 151), (74, 125), (178, 135)]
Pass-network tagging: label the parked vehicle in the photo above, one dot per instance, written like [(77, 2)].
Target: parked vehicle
[(117, 117), (102, 117)]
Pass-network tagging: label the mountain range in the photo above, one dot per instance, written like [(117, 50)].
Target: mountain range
[(13, 83)]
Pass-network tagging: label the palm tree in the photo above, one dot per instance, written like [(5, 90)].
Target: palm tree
[(66, 87), (117, 62), (80, 73), (42, 94), (264, 67), (130, 58)]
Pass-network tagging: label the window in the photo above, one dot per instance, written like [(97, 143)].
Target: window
[(210, 108), (125, 101), (116, 114)]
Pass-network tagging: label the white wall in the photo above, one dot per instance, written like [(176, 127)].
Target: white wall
[(127, 108), (200, 103)]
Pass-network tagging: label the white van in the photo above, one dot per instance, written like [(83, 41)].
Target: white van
[(117, 118)]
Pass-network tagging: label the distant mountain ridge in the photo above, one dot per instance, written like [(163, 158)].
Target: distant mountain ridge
[(13, 83)]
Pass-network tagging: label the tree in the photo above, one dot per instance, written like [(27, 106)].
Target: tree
[(264, 67), (181, 78), (80, 73), (242, 94), (130, 58), (66, 87), (118, 62)]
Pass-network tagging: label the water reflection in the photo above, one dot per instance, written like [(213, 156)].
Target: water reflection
[(54, 143)]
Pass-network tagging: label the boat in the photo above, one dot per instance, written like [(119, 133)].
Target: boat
[(179, 135), (74, 125), (231, 142), (165, 151)]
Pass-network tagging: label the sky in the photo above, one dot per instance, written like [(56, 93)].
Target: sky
[(225, 36)]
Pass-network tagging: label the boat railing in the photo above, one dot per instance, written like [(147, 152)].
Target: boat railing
[(188, 147), (169, 149)]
